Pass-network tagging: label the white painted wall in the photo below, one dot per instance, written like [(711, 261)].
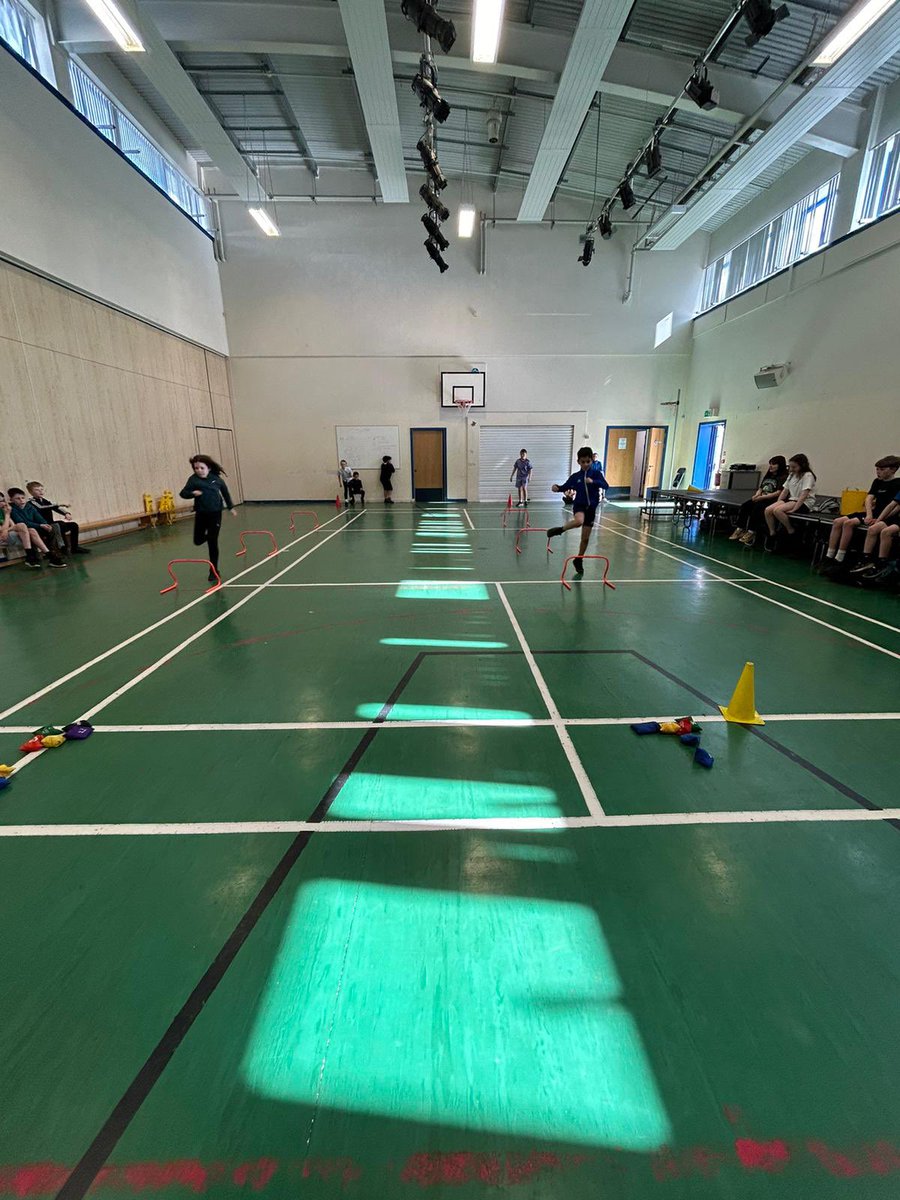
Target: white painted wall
[(72, 208), (835, 319), (344, 320)]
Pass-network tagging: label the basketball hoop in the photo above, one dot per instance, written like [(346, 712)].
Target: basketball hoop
[(463, 405)]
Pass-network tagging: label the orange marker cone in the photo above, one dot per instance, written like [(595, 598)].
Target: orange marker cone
[(337, 500), (741, 708)]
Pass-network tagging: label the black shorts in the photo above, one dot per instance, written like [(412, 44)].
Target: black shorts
[(854, 516), (589, 510)]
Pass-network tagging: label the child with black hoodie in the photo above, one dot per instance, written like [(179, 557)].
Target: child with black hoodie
[(210, 494)]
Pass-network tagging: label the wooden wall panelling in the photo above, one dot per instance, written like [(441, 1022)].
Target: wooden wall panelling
[(218, 374), (200, 406), (42, 313), (222, 411), (20, 438), (98, 405), (9, 326)]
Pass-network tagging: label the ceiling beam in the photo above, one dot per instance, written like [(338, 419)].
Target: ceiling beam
[(365, 27), (879, 43), (291, 120), (599, 26)]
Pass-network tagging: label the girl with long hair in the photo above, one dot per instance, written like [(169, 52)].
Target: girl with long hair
[(798, 492), (210, 494)]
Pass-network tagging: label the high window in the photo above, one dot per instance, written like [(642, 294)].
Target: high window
[(800, 230), (119, 128)]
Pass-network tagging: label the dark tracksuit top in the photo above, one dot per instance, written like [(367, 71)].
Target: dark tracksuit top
[(214, 494), (48, 508), (586, 486), (29, 514)]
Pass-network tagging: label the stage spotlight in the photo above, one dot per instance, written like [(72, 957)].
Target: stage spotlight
[(435, 254), (587, 250), (431, 164), (700, 90), (426, 20), (430, 98), (653, 159), (604, 226), (626, 195), (761, 18), (434, 231), (433, 200)]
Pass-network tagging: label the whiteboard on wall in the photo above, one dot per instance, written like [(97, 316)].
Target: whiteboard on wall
[(364, 446)]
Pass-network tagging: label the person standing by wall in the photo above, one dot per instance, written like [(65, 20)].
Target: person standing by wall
[(387, 470), (522, 469)]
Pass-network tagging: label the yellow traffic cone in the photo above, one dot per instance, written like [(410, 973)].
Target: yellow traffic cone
[(742, 706)]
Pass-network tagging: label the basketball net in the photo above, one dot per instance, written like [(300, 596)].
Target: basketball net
[(464, 405)]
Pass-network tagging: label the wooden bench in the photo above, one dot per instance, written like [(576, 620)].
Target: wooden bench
[(143, 520)]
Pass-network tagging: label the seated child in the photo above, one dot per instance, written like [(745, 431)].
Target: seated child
[(884, 533), (23, 512), (13, 535), (881, 493), (356, 488), (68, 528)]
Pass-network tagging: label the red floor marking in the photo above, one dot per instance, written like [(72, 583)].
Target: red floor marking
[(436, 1169), (833, 1161), (883, 1158), (257, 1174), (326, 1168), (762, 1156), (188, 1172), (36, 1179)]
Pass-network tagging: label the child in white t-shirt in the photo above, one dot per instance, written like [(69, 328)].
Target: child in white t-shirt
[(798, 492), (344, 477)]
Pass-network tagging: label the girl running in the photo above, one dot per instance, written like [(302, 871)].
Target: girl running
[(210, 495)]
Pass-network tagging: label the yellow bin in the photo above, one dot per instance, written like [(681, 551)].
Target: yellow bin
[(853, 500)]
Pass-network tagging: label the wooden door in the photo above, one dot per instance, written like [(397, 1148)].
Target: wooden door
[(428, 464), (655, 452), (619, 464)]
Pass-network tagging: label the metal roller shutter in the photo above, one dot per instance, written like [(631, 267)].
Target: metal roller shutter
[(549, 449)]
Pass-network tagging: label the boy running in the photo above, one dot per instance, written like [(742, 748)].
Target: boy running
[(588, 484)]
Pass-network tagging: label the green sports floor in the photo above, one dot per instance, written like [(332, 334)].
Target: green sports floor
[(364, 888)]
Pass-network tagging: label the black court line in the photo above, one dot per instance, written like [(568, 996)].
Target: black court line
[(797, 759), (92, 1161), (85, 1173)]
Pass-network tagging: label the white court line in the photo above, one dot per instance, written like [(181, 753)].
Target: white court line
[(763, 579), (454, 723), (595, 808), (14, 708), (160, 662), (431, 583), (468, 518), (741, 585), (452, 824)]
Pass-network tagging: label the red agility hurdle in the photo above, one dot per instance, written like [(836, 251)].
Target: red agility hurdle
[(265, 533), (530, 529), (602, 557), (174, 583), (308, 512)]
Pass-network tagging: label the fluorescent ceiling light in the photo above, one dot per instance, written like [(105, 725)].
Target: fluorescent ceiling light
[(466, 220), (850, 30), (486, 30), (265, 222), (117, 24)]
